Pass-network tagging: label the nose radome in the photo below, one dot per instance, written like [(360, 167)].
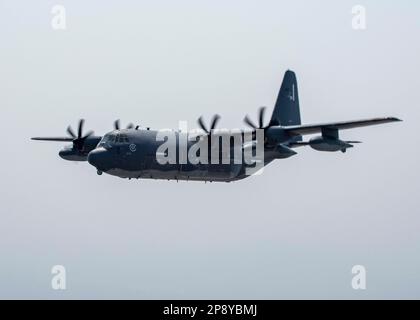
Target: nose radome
[(98, 158)]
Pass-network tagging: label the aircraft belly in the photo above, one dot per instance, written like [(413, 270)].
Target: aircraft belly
[(182, 172)]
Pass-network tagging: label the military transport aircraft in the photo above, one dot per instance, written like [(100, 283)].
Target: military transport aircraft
[(132, 152)]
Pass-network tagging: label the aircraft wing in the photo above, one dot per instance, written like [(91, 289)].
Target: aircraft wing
[(52, 139), (317, 128)]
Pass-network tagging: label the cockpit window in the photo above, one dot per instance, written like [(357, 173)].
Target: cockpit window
[(107, 139), (121, 138), (111, 138)]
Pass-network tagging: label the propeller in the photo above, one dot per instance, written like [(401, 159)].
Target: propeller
[(117, 125), (78, 140), (249, 122), (213, 124)]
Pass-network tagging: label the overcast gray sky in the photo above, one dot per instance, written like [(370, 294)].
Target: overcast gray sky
[(294, 232)]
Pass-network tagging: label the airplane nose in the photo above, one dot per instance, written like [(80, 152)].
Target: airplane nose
[(100, 158)]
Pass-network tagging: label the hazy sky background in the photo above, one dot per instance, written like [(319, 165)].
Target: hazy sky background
[(294, 232)]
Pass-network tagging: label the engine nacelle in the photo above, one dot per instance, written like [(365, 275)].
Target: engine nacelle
[(71, 154), (328, 144), (276, 135)]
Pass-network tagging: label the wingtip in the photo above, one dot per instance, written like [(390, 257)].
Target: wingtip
[(396, 119)]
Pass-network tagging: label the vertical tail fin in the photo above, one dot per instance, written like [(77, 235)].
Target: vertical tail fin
[(286, 111)]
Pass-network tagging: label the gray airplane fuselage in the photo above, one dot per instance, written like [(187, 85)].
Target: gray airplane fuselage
[(135, 156)]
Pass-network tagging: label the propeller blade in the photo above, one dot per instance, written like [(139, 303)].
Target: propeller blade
[(87, 135), (261, 117), (214, 122), (80, 129), (249, 122), (202, 125), (117, 124), (71, 132), (354, 142)]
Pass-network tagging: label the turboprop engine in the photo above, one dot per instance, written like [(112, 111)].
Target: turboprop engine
[(328, 144)]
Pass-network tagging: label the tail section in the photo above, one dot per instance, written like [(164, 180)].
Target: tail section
[(286, 111)]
